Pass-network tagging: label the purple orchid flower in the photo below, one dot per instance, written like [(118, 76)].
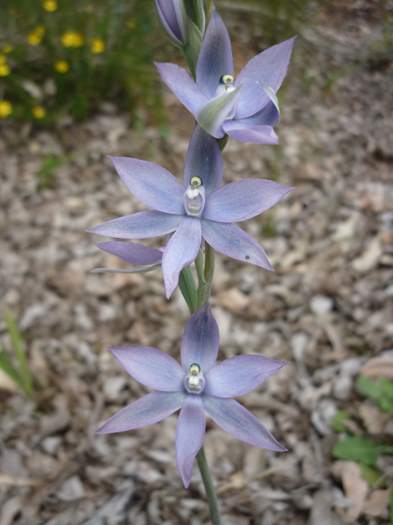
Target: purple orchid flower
[(200, 209), (198, 386), (245, 108)]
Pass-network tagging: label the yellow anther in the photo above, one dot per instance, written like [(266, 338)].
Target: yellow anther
[(194, 369), (227, 80), (196, 182)]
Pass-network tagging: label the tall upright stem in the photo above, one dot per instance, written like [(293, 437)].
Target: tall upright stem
[(209, 487)]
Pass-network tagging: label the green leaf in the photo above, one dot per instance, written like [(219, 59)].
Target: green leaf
[(360, 450), (7, 367), (337, 423), (380, 391), (18, 347)]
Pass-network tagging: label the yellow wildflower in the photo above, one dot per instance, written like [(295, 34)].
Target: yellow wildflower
[(5, 108), (72, 39), (4, 70), (35, 37), (61, 66), (38, 112), (3, 59), (97, 46), (49, 5)]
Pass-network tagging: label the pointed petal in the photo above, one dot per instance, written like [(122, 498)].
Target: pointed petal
[(204, 159), (269, 115), (172, 15), (182, 85), (139, 225), (200, 340), (190, 433), (151, 367), (147, 410), (215, 112), (244, 131), (215, 58), (132, 252), (232, 417), (239, 201), (181, 250), (239, 375), (232, 241), (151, 184), (266, 70)]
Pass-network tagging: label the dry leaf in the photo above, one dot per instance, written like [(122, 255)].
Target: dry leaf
[(7, 384), (377, 504), (355, 488), (381, 366)]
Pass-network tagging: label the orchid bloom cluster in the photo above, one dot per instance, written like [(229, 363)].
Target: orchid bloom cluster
[(198, 216)]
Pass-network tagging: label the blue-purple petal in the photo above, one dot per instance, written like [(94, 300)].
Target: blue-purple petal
[(151, 367), (266, 70), (204, 160), (200, 340), (181, 84), (232, 241), (242, 200), (245, 131), (151, 184), (181, 251), (240, 375), (147, 410), (190, 434), (232, 417), (144, 224), (132, 252), (215, 58)]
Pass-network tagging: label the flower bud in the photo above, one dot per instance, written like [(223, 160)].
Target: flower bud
[(173, 17)]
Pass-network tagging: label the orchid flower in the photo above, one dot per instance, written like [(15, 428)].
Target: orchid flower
[(245, 108), (197, 210), (198, 386)]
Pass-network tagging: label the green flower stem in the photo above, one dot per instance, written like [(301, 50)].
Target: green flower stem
[(209, 487)]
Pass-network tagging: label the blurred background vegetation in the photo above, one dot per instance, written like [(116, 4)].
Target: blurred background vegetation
[(66, 57)]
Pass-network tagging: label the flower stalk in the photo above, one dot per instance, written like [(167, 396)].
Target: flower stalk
[(209, 487)]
